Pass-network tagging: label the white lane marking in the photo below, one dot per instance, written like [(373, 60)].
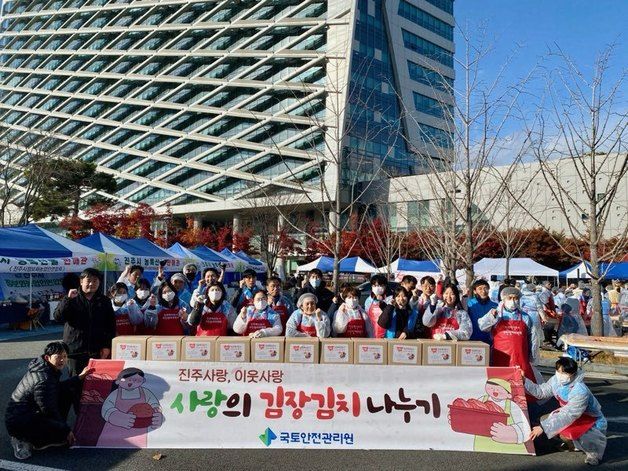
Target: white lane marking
[(19, 466), (622, 419)]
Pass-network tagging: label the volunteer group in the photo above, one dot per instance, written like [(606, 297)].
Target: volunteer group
[(514, 321)]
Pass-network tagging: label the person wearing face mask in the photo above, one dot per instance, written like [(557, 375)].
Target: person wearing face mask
[(128, 313), (478, 305), (210, 276), (279, 303), (190, 271), (258, 320), (448, 320), (37, 411), (213, 315), (399, 318), (375, 303), (350, 320), (579, 417), (179, 281), (308, 320), (243, 297), (165, 314), (130, 276), (316, 285), (513, 334)]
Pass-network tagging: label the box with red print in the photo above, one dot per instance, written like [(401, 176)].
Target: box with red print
[(337, 351), (130, 347), (370, 351), (233, 349), (472, 354), (405, 352), (199, 348), (164, 348), (302, 350), (267, 350), (439, 353)]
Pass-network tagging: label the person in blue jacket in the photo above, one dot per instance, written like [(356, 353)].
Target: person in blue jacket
[(399, 318), (478, 306), (579, 417)]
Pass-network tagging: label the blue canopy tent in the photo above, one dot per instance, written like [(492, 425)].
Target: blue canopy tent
[(31, 251), (416, 268), (610, 271), (347, 265)]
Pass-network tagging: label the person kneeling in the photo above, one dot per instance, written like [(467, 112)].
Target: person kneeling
[(579, 417), (38, 408)]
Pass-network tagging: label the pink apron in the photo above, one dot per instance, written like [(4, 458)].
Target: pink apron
[(113, 436)]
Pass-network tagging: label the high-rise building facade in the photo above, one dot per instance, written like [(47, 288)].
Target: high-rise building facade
[(199, 105)]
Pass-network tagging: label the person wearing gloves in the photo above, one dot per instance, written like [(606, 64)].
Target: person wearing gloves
[(447, 320), (579, 417), (189, 271), (399, 318), (478, 305), (165, 313), (279, 303), (513, 333), (213, 315), (308, 320), (350, 320), (243, 297), (316, 285), (210, 276), (36, 416), (130, 276), (258, 320), (127, 312)]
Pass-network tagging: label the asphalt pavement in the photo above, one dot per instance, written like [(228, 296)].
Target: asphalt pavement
[(15, 355)]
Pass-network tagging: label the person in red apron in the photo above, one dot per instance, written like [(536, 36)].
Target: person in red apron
[(166, 314), (308, 320), (350, 320), (375, 303), (127, 312), (213, 315), (281, 304), (399, 318), (210, 276), (258, 320), (513, 334), (579, 417), (128, 398), (447, 320)]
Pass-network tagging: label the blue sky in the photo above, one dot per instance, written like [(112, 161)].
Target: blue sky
[(581, 27)]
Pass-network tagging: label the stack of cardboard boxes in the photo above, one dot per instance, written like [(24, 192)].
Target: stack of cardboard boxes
[(307, 350)]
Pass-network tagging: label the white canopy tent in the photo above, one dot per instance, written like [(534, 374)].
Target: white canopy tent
[(519, 267)]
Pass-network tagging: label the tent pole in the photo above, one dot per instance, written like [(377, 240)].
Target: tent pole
[(105, 276), (30, 289)]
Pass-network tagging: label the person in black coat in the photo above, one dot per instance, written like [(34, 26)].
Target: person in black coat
[(316, 285), (90, 322), (38, 408), (399, 318)]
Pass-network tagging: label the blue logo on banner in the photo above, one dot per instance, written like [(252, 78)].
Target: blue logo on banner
[(267, 437)]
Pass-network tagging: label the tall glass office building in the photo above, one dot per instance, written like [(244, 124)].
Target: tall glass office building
[(200, 105)]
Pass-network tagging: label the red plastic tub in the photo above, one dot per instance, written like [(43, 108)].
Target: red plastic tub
[(474, 421)]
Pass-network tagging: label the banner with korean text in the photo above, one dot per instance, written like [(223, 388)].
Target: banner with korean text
[(149, 404)]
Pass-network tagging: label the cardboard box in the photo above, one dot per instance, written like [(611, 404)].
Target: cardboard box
[(337, 350), (164, 348), (472, 353), (439, 353), (233, 349), (199, 348), (129, 347), (404, 352), (370, 351), (302, 350), (267, 350)]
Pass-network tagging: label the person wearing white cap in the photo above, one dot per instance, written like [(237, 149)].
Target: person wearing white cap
[(308, 320), (179, 281)]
